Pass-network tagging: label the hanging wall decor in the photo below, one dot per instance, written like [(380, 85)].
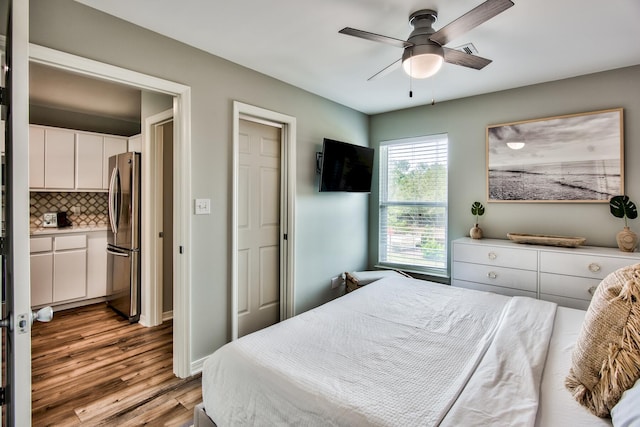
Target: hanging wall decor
[(570, 158)]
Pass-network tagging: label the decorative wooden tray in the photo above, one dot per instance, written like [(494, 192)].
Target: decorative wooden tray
[(542, 239)]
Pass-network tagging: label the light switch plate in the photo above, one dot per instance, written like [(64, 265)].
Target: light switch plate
[(203, 206)]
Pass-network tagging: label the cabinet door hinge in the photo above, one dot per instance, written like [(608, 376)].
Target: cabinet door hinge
[(2, 246), (3, 96), (3, 401)]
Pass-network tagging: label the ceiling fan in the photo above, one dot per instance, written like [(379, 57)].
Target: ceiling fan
[(424, 50)]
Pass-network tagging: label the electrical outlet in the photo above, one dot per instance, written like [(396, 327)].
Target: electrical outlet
[(336, 282)]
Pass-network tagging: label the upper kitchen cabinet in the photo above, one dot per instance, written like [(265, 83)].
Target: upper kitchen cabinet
[(69, 160), (89, 161), (51, 158), (135, 143), (112, 146), (93, 152)]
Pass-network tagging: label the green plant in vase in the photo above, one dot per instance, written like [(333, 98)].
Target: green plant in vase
[(623, 207), (477, 210)]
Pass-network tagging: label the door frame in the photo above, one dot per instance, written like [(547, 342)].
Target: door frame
[(152, 286), (182, 184), (19, 380), (287, 206)]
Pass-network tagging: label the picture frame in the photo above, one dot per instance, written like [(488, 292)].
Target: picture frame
[(569, 158)]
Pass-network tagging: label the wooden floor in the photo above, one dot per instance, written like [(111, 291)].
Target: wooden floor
[(90, 367)]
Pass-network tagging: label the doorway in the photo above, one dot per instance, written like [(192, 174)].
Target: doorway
[(181, 107), (278, 301), (159, 286)]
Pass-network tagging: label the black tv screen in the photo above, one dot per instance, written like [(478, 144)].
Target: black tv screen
[(346, 167)]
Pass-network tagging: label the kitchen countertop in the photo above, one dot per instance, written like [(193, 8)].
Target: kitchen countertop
[(42, 231)]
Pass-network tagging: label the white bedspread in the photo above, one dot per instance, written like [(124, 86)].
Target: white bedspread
[(398, 352)]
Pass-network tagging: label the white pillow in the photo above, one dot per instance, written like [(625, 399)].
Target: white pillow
[(626, 413)]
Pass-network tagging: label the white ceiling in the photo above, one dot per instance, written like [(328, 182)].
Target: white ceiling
[(297, 41)]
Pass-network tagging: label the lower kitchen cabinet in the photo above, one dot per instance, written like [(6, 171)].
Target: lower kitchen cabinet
[(69, 274), (566, 276), (68, 267), (41, 278), (96, 264)]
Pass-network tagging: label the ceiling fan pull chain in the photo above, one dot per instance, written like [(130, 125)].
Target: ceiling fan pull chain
[(433, 85), (411, 80)]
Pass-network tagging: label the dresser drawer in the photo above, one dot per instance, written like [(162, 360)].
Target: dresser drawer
[(512, 292), (568, 286), (579, 304), (496, 255), (593, 266), (496, 276)]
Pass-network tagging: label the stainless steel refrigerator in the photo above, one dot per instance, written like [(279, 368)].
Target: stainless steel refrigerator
[(123, 235)]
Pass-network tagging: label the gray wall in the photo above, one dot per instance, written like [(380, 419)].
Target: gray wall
[(331, 229), (465, 121)]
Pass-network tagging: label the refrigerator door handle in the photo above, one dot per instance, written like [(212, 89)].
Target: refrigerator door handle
[(113, 201), (116, 253)]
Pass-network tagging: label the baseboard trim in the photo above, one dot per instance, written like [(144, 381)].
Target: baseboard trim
[(197, 365), (167, 315)]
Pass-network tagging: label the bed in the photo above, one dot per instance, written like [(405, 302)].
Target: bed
[(402, 351)]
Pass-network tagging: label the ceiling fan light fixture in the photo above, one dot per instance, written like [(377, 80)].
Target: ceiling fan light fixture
[(422, 61)]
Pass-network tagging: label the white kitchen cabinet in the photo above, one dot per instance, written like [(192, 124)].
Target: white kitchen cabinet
[(36, 157), (41, 278), (59, 159), (69, 275), (567, 276), (51, 158), (135, 143), (89, 161), (65, 159), (112, 146), (96, 264), (58, 268)]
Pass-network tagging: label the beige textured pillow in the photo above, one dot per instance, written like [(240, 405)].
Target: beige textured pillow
[(606, 357), (351, 282)]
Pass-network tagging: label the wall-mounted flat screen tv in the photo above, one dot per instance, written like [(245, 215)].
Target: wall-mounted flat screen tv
[(346, 167)]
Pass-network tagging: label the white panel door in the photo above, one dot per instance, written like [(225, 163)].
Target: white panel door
[(258, 227)]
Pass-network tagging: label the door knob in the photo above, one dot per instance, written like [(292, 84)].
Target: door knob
[(45, 314)]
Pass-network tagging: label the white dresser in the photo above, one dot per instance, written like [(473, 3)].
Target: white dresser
[(567, 276)]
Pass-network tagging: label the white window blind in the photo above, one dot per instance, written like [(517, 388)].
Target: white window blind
[(413, 204)]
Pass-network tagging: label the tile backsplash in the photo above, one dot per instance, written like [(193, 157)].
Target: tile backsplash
[(93, 207)]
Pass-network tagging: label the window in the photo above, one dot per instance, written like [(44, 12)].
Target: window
[(413, 204)]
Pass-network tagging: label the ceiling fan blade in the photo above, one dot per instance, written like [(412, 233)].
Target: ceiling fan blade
[(457, 57), (386, 70), (375, 37), (470, 20)]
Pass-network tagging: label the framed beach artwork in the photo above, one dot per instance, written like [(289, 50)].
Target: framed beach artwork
[(571, 158)]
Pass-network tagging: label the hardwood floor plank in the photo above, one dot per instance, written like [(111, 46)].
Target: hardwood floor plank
[(91, 367)]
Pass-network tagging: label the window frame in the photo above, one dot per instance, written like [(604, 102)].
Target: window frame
[(383, 203)]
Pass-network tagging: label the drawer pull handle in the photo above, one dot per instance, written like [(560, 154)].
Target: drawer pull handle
[(492, 275), (594, 268), (592, 290), (492, 255)]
